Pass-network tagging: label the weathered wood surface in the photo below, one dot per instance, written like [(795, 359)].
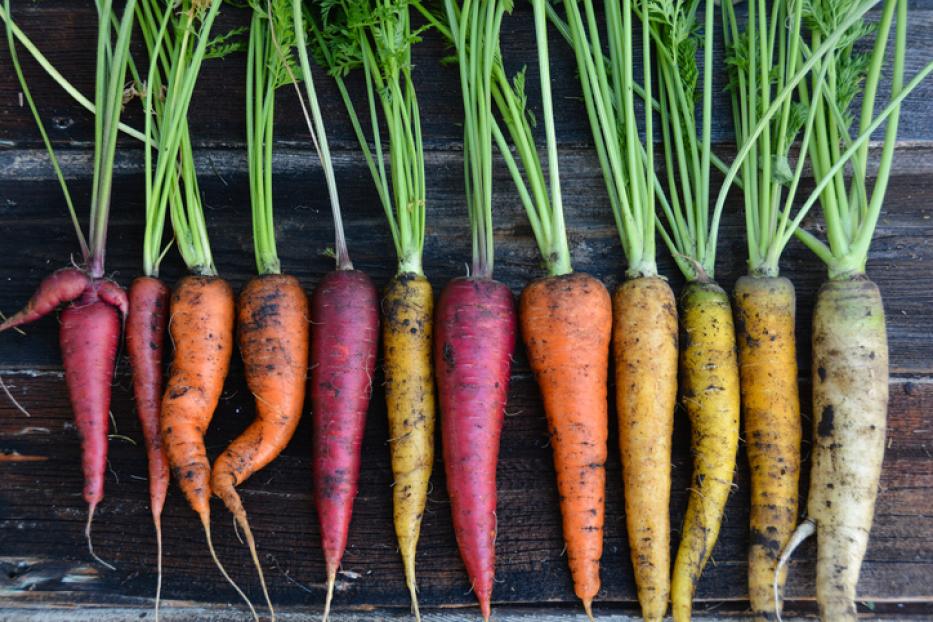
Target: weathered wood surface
[(43, 561)]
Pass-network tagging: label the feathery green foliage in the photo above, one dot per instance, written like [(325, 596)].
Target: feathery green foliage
[(376, 37)]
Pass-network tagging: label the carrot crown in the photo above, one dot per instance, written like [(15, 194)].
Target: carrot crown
[(474, 29), (112, 58), (177, 40), (376, 37), (609, 96)]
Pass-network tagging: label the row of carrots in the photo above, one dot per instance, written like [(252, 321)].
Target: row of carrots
[(791, 66)]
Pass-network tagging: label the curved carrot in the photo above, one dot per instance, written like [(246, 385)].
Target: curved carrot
[(145, 344), (473, 347), (272, 331), (408, 308), (201, 328), (764, 314), (344, 341), (58, 288), (567, 324), (645, 356), (709, 387)]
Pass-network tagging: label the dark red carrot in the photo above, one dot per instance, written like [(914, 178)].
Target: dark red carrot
[(145, 343), (344, 340), (96, 306), (475, 327), (58, 288), (89, 335)]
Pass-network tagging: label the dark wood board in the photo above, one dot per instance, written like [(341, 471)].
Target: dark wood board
[(42, 555)]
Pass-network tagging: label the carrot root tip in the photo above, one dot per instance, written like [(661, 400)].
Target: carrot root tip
[(158, 597), (331, 580), (412, 587), (90, 543), (210, 545), (233, 502), (804, 530), (588, 608)]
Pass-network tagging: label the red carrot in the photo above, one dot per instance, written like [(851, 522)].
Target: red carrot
[(474, 339), (145, 343), (95, 306), (344, 339), (475, 321)]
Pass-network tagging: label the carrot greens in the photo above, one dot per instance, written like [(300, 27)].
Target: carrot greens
[(608, 94), (474, 27), (177, 40), (376, 37)]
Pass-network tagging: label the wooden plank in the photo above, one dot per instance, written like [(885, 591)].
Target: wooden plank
[(42, 515), (39, 237), (67, 33), (215, 614)]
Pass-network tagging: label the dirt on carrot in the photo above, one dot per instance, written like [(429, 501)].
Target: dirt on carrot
[(566, 324)]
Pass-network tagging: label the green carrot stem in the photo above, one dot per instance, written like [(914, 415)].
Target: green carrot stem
[(53, 159), (319, 136)]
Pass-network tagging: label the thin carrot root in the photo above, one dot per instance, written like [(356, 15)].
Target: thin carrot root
[(87, 535), (409, 563), (804, 530), (157, 521), (588, 608), (331, 580), (233, 502), (205, 522)]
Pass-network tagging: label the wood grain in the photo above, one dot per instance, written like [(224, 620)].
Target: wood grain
[(44, 567)]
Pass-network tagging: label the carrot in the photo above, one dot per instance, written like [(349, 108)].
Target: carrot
[(272, 321), (358, 30), (201, 328), (344, 343), (765, 301), (476, 318), (145, 344), (849, 341), (473, 345), (645, 363), (95, 306), (407, 334), (566, 324), (764, 313), (61, 287)]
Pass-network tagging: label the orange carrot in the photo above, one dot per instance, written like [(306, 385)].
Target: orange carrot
[(201, 328), (272, 332), (567, 324)]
